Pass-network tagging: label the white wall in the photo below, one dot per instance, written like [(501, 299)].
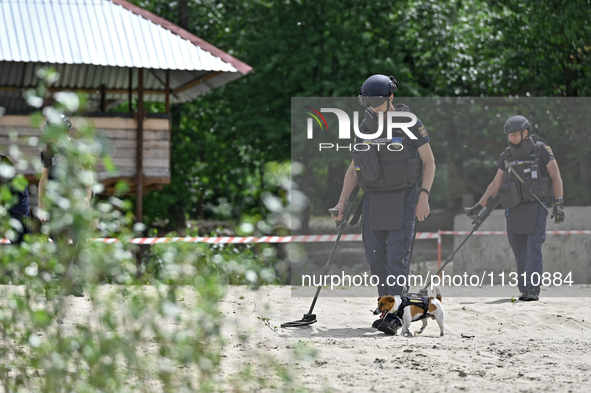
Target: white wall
[(561, 253)]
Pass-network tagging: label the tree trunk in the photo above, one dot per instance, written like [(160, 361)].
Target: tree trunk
[(305, 188), (184, 14)]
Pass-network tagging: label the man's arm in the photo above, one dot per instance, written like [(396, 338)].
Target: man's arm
[(41, 192), (422, 210), (348, 186), (88, 196), (89, 192), (493, 188), (558, 210), (554, 173)]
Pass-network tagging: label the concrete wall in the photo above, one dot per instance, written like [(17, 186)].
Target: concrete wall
[(561, 253)]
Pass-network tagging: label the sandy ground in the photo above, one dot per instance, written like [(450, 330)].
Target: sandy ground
[(491, 344)]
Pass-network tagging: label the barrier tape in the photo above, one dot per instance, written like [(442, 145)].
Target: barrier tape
[(305, 238), (585, 232), (242, 240), (298, 239)]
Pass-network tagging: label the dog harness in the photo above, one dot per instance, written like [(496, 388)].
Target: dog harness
[(413, 299)]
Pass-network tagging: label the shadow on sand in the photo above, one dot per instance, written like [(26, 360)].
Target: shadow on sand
[(368, 332)]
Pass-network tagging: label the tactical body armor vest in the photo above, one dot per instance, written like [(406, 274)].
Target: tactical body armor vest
[(384, 164), (524, 161)]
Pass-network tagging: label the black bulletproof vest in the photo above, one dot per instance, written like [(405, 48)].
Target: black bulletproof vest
[(384, 164), (51, 156), (524, 161)]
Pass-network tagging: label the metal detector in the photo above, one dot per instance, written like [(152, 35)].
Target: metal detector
[(310, 318), (478, 221)]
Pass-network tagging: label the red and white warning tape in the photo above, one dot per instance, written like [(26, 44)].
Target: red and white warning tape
[(475, 233), (299, 239), (239, 240), (586, 232)]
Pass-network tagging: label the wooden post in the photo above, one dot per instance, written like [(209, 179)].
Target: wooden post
[(130, 91), (167, 91), (140, 147), (139, 159), (103, 98)]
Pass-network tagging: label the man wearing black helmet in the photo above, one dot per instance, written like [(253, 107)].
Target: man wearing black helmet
[(390, 172), (51, 156), (530, 179), (53, 161)]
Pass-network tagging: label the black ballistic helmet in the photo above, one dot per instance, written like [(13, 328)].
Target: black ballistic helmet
[(517, 124), (65, 121), (376, 90)]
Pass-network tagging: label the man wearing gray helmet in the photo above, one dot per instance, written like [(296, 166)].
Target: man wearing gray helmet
[(527, 176)]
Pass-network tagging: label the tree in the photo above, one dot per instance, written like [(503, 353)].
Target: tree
[(304, 48)]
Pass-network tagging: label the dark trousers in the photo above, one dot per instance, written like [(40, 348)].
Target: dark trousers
[(25, 229), (387, 252), (528, 254), (67, 254)]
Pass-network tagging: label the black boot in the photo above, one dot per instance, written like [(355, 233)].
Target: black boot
[(390, 324), (529, 297), (77, 290)]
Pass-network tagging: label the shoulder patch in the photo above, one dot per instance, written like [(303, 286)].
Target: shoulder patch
[(423, 131), (549, 150)]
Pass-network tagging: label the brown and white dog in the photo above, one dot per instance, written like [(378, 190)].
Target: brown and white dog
[(410, 313)]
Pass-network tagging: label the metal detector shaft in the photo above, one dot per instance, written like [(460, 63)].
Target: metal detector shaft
[(484, 213), (310, 318), (449, 259), (412, 242), (414, 237), (341, 225), (529, 189), (326, 269)]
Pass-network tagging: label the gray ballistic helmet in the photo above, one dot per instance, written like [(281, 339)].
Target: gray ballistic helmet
[(517, 124), (376, 90), (65, 120)]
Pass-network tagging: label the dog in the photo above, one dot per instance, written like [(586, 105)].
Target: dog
[(414, 308)]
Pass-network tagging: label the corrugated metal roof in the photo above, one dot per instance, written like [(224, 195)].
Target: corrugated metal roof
[(13, 76), (95, 42), (97, 32)]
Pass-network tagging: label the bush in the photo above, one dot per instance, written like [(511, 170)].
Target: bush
[(156, 329)]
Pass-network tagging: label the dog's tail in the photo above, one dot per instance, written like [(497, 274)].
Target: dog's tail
[(437, 290)]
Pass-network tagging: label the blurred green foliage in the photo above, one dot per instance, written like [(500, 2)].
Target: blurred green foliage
[(149, 327)]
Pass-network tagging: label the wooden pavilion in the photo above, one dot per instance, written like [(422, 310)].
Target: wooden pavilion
[(116, 52)]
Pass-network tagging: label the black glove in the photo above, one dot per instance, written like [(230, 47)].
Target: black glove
[(473, 211), (558, 211)]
